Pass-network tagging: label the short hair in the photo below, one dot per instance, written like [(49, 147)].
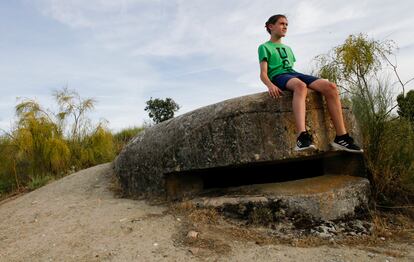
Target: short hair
[(272, 20)]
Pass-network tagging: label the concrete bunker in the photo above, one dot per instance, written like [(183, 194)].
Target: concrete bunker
[(236, 143)]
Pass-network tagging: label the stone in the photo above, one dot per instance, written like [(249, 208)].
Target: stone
[(358, 226), (192, 234), (176, 157), (326, 229), (324, 235), (194, 250)]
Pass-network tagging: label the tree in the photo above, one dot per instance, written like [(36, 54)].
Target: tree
[(39, 141), (359, 67), (355, 67), (406, 105), (71, 104), (160, 110), (36, 149)]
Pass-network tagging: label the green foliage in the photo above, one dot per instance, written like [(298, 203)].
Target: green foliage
[(93, 149), (72, 105), (39, 141), (38, 181), (97, 148), (124, 136), (359, 56), (8, 175), (355, 61), (160, 110), (406, 105), (357, 66), (37, 149)]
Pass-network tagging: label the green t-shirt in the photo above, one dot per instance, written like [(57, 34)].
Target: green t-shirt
[(279, 57)]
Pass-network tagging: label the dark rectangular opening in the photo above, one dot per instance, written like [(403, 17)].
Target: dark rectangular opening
[(259, 173), (193, 182)]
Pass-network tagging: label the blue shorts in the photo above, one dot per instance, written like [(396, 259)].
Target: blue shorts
[(281, 80)]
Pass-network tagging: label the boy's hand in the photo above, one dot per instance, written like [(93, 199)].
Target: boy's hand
[(275, 91)]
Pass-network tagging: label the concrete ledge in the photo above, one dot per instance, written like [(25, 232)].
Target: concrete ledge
[(327, 197)]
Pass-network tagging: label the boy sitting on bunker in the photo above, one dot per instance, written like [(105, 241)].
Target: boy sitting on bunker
[(276, 72)]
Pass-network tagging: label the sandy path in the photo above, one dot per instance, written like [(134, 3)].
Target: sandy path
[(78, 218)]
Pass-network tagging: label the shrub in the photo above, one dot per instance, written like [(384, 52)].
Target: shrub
[(358, 66), (122, 137), (37, 149)]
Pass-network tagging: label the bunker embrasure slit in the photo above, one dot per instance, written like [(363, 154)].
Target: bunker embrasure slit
[(196, 181)]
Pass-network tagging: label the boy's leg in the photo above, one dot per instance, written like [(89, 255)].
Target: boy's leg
[(342, 140), (299, 102), (300, 90), (330, 92)]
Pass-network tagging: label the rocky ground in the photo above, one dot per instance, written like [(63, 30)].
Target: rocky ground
[(81, 218)]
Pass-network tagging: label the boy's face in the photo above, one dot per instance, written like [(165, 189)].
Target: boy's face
[(279, 28)]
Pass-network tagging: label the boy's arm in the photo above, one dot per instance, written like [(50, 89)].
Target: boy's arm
[(274, 91)]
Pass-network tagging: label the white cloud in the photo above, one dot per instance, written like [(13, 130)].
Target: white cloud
[(311, 16), (196, 51)]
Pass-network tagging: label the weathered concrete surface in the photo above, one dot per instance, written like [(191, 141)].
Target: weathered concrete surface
[(244, 130), (327, 197)]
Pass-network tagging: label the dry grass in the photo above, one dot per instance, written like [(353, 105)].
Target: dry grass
[(395, 226), (201, 221), (204, 216), (217, 230)]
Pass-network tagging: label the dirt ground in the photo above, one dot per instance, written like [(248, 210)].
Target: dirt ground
[(80, 218)]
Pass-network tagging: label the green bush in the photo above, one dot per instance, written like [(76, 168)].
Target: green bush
[(358, 67), (8, 175), (38, 181), (406, 105), (7, 183), (122, 137), (36, 150), (99, 147)]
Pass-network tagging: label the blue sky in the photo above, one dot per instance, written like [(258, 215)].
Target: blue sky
[(198, 52)]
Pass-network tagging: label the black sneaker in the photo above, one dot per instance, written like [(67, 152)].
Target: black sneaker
[(346, 143), (304, 142)]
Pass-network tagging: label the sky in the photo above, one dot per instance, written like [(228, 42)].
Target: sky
[(122, 53)]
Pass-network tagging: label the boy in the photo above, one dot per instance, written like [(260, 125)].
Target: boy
[(276, 72)]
